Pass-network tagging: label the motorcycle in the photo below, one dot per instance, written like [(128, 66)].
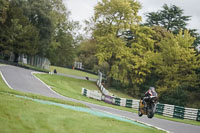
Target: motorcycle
[(147, 108)]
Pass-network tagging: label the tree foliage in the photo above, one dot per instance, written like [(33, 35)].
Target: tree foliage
[(110, 20), (175, 65), (122, 42), (171, 18), (4, 6), (86, 54), (139, 56), (38, 28)]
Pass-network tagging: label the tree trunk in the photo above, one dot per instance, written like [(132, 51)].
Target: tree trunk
[(110, 78), (16, 58), (109, 81)]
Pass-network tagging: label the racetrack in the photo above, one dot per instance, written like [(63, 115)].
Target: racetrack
[(22, 80)]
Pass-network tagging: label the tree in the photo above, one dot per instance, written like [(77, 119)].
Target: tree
[(64, 53), (122, 42), (38, 28), (175, 66), (4, 6), (40, 15), (110, 20), (171, 18), (56, 32), (86, 54), (20, 36)]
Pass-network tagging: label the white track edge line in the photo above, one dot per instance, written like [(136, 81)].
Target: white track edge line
[(45, 83), (5, 81)]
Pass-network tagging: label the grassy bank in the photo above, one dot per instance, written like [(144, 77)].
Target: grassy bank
[(71, 87), (20, 115)]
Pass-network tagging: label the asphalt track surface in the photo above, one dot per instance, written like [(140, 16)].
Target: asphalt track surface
[(23, 80)]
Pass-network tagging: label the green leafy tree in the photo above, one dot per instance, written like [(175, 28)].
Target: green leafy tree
[(122, 42), (110, 20), (64, 53), (38, 28), (170, 17), (4, 6), (57, 36), (86, 54), (19, 35), (176, 65)]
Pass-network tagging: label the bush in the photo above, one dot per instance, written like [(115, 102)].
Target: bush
[(174, 97)]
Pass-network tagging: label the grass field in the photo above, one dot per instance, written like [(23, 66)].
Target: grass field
[(72, 88), (73, 72), (20, 115)]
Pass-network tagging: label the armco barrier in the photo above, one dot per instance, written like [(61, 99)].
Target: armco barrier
[(135, 104), (108, 99), (92, 94), (123, 102), (190, 113), (117, 101), (168, 110), (84, 91), (129, 103), (162, 109), (95, 95), (179, 112), (198, 115)]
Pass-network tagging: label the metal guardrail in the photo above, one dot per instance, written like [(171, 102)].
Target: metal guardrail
[(161, 109)]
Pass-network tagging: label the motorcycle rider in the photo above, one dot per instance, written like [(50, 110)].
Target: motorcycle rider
[(150, 92)]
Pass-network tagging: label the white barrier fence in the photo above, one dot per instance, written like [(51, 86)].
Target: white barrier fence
[(162, 109)]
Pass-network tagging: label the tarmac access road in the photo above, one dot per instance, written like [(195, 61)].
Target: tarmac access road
[(23, 80)]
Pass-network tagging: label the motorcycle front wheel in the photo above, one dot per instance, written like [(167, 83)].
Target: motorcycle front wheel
[(151, 111)]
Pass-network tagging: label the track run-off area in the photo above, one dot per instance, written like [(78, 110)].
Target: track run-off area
[(23, 80)]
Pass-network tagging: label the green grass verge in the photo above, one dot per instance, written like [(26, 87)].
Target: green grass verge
[(72, 72), (192, 122), (21, 115), (71, 87), (83, 74), (119, 93)]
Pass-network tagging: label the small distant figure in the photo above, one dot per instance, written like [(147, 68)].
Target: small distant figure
[(87, 78), (55, 72)]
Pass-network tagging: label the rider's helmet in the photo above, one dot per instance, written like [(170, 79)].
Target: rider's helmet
[(153, 91)]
